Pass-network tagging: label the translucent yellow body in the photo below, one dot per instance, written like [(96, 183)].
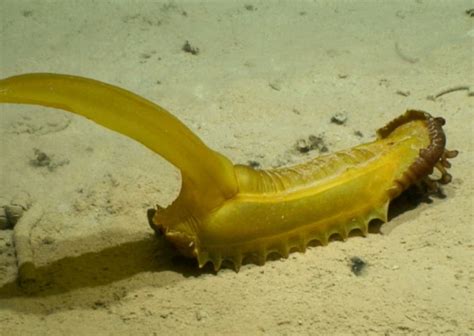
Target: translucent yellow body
[(227, 212)]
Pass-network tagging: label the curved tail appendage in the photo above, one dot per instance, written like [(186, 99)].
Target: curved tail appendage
[(208, 177)]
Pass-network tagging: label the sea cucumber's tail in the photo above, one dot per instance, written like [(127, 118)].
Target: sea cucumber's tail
[(208, 175)]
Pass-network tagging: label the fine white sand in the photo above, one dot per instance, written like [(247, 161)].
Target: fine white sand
[(267, 75)]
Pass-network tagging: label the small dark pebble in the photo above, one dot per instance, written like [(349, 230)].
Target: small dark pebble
[(402, 93), (313, 142), (358, 265), (187, 47), (253, 164), (317, 142), (275, 86), (302, 146), (250, 7), (339, 119), (41, 159), (27, 13)]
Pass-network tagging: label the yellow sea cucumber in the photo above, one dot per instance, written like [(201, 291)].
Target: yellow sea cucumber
[(229, 212)]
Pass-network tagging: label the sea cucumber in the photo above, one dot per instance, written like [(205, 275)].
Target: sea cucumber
[(231, 212)]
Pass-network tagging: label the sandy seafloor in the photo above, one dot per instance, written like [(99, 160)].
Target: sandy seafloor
[(267, 74)]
